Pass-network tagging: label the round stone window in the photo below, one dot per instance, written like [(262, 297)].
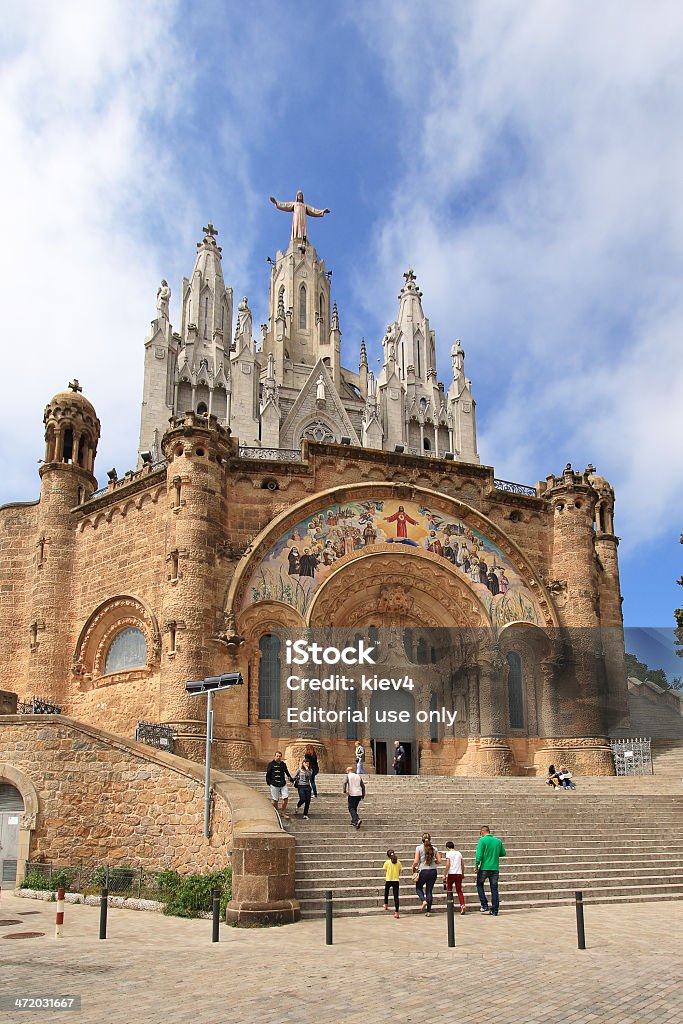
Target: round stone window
[(127, 650)]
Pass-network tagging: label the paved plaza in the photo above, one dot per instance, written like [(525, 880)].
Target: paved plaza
[(519, 967)]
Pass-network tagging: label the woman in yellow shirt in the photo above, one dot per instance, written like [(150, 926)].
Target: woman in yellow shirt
[(392, 871)]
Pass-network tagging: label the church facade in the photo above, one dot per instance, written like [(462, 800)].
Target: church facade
[(279, 494)]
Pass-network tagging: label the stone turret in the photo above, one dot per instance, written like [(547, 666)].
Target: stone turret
[(196, 448), (609, 590), (72, 431)]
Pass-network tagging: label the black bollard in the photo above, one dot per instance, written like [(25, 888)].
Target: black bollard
[(450, 914), (216, 907), (104, 904), (580, 933), (328, 917)]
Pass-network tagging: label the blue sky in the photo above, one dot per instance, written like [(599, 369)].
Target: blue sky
[(524, 157)]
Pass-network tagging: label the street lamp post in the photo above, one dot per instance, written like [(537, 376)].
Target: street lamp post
[(197, 687)]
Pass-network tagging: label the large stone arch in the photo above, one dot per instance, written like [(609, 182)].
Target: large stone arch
[(388, 576), (254, 581), (371, 585), (29, 794)]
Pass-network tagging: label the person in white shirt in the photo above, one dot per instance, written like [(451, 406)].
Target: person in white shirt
[(354, 787), (454, 873)]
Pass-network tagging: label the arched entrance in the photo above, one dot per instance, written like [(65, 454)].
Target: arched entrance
[(415, 605), (11, 812)]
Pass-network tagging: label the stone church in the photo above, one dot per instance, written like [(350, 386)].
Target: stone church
[(278, 493)]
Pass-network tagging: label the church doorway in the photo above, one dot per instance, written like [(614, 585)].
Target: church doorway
[(392, 717)]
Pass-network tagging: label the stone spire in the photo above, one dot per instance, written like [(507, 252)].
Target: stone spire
[(206, 315), (363, 370)]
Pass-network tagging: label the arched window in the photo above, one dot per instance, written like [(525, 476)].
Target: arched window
[(515, 691), (422, 651), (127, 650), (269, 677), (302, 307), (321, 315), (68, 447), (418, 352), (427, 444), (202, 409)]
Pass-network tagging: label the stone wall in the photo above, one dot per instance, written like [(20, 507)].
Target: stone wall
[(106, 800)]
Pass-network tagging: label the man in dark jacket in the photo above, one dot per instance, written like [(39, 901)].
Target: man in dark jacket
[(277, 774), (399, 764)]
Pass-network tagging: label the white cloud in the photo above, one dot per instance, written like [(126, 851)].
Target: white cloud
[(84, 92), (539, 203), (125, 126)]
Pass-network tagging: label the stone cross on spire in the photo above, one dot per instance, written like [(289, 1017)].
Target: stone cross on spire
[(210, 233), (75, 386)]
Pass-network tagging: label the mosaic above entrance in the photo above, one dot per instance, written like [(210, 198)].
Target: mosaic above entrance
[(294, 567)]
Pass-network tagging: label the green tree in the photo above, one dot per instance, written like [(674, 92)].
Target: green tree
[(635, 669)]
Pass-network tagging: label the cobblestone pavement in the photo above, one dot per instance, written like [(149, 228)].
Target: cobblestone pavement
[(523, 967)]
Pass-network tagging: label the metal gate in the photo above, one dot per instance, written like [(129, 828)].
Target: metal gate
[(632, 757), (11, 810)]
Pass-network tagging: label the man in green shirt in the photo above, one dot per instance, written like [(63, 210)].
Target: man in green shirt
[(489, 851)]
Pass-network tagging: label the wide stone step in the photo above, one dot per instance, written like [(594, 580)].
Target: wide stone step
[(520, 897), (592, 899), (664, 866)]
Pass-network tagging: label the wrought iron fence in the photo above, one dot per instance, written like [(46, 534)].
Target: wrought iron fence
[(37, 706), (154, 734), (513, 488), (632, 757), (90, 880), (185, 896)]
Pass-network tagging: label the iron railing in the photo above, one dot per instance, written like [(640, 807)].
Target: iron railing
[(37, 706), (155, 734), (513, 488)]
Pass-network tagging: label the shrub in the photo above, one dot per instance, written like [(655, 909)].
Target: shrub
[(190, 895)]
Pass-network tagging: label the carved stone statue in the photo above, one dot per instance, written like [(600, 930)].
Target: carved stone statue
[(320, 389), (163, 299), (244, 319), (458, 359), (299, 208)]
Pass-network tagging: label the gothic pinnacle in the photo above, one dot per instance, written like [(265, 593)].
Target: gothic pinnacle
[(363, 353)]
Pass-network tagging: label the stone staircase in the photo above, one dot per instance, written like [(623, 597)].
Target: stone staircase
[(615, 839), (667, 758)]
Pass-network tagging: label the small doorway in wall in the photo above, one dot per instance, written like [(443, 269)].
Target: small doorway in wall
[(11, 810)]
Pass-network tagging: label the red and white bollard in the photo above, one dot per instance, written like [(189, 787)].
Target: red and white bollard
[(59, 920)]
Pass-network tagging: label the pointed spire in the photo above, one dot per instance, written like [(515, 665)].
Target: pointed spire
[(363, 353), (281, 305), (335, 318)]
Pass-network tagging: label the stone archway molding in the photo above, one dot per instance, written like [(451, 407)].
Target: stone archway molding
[(102, 625), (384, 491)]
